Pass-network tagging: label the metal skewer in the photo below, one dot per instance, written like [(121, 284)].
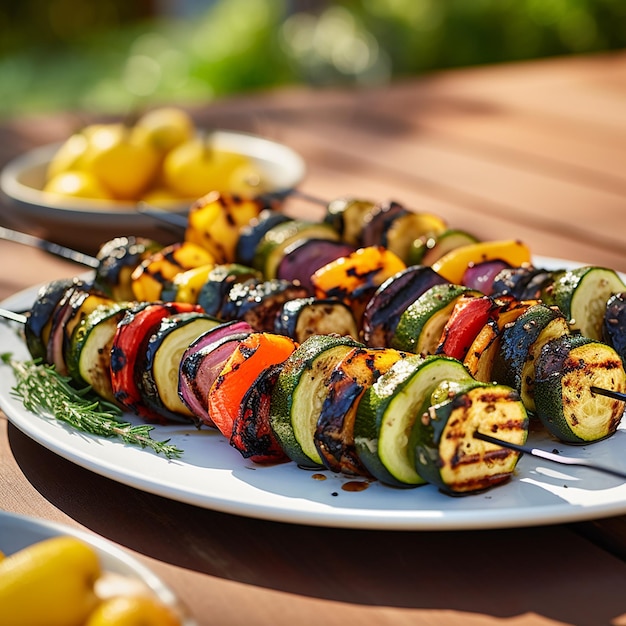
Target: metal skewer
[(47, 246), (550, 456), (615, 395)]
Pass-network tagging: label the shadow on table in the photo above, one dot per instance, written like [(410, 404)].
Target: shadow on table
[(544, 570)]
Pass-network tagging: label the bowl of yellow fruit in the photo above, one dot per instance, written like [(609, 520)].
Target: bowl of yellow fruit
[(93, 186), (53, 574)]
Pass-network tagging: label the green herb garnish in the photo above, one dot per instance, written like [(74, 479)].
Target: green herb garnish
[(43, 390)]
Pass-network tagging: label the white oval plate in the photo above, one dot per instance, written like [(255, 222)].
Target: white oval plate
[(20, 531), (213, 475)]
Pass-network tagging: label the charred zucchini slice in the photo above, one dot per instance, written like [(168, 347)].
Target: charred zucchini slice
[(348, 216), (90, 360), (351, 376), (300, 391), (252, 233), (164, 352), (566, 369), (582, 294), (421, 325), (302, 317), (386, 415), (449, 456), (276, 241), (521, 343), (428, 250)]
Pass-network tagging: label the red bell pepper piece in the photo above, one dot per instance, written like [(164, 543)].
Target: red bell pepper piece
[(468, 316)]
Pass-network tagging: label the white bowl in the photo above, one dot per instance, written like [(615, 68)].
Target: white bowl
[(85, 224), (20, 531)]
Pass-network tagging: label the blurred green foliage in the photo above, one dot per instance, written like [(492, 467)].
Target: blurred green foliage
[(113, 55)]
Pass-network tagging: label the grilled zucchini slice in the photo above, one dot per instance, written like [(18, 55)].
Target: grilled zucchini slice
[(566, 369), (164, 352), (421, 325), (521, 343), (302, 317), (351, 376), (582, 294), (300, 391), (386, 415), (90, 360), (446, 452)]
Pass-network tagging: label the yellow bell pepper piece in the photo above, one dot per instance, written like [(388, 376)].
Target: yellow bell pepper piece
[(452, 265), (215, 222)]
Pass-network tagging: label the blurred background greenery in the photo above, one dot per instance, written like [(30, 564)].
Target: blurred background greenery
[(111, 55)]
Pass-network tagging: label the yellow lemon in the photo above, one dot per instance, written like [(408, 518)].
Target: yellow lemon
[(139, 610), (246, 180), (123, 162), (195, 168), (77, 184), (71, 153), (163, 197), (50, 583), (165, 128)]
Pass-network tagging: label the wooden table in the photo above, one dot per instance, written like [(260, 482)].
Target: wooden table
[(534, 151)]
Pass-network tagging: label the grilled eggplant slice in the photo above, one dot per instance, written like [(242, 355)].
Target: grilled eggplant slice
[(259, 302), (384, 309), (161, 367), (118, 258), (300, 391), (334, 434), (302, 317), (614, 324), (251, 234), (219, 280), (449, 456), (566, 369), (303, 257), (385, 419), (39, 321)]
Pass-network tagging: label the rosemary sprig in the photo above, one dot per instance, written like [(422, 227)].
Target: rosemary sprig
[(43, 390)]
